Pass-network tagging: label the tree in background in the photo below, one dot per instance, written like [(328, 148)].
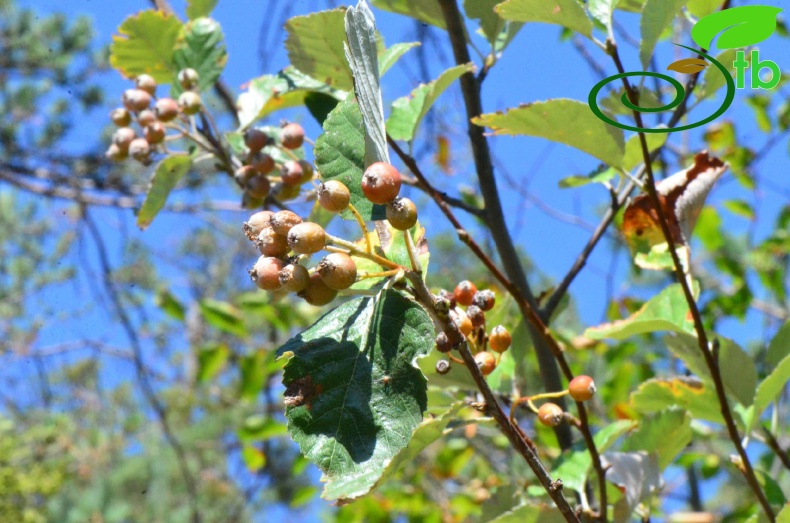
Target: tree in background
[(413, 401)]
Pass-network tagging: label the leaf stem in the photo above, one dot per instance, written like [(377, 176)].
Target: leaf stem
[(362, 226), (356, 251)]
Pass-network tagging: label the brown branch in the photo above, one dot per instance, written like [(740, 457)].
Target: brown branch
[(774, 445), (709, 351)]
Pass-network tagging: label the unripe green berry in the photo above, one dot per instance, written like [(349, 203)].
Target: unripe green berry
[(485, 362), (317, 292), (291, 173), (333, 196), (294, 277), (484, 299), (154, 133), (381, 183), (121, 117), (442, 367), (338, 270), (550, 414), (499, 340), (402, 214), (122, 137), (307, 238), (188, 78), (292, 136), (146, 83), (266, 273), (582, 388), (166, 109), (258, 186), (243, 174), (190, 103), (284, 220), (136, 100), (255, 139), (272, 244), (115, 153), (261, 162), (464, 293), (257, 223), (139, 149)]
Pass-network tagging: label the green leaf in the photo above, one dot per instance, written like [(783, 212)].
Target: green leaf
[(779, 348), (223, 316), (576, 180), (408, 111), (784, 515), (633, 148), (145, 45), (667, 311), (340, 155), (742, 26), (739, 373), (259, 427), (701, 8), (698, 398), (201, 46), (713, 80), (253, 457), (573, 466), (657, 15), (165, 177), (530, 514), (771, 387), (362, 54), (760, 105), (497, 31), (391, 243), (561, 120), (392, 54), (773, 492), (667, 434), (428, 11), (346, 417), (315, 47), (270, 93), (567, 13), (169, 305), (254, 369), (602, 11), (211, 360), (199, 8), (740, 208)]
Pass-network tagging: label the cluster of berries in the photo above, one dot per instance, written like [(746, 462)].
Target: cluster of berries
[(152, 122), (261, 174), (581, 388), (472, 324), (286, 242)]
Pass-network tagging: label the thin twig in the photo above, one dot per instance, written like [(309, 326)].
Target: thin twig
[(774, 445)]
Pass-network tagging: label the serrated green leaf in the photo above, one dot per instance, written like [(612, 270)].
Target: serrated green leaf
[(740, 26), (408, 111), (345, 415), (574, 465), (223, 316), (259, 427), (145, 45), (165, 177), (667, 434), (211, 360), (779, 347), (199, 8), (667, 311), (657, 15), (253, 457), (170, 305), (389, 56), (633, 148), (201, 46), (428, 11), (567, 13), (340, 155), (315, 47), (698, 398), (561, 120), (288, 88), (577, 180), (771, 387)]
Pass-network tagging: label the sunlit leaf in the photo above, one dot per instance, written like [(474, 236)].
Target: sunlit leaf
[(667, 433), (315, 47), (145, 45), (353, 393), (167, 174), (428, 11), (779, 348), (253, 457), (633, 148), (567, 13), (602, 10), (198, 8), (211, 360), (201, 46), (576, 180), (656, 395), (772, 386), (165, 300), (389, 56), (561, 120), (259, 427), (657, 15), (223, 316)]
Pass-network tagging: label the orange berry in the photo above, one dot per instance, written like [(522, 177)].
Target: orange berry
[(582, 388)]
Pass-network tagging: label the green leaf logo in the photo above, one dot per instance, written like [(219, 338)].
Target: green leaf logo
[(742, 26)]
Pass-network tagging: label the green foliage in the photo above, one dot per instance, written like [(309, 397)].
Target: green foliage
[(168, 172), (201, 47), (427, 11), (200, 8), (315, 47), (656, 17), (145, 45), (567, 13)]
